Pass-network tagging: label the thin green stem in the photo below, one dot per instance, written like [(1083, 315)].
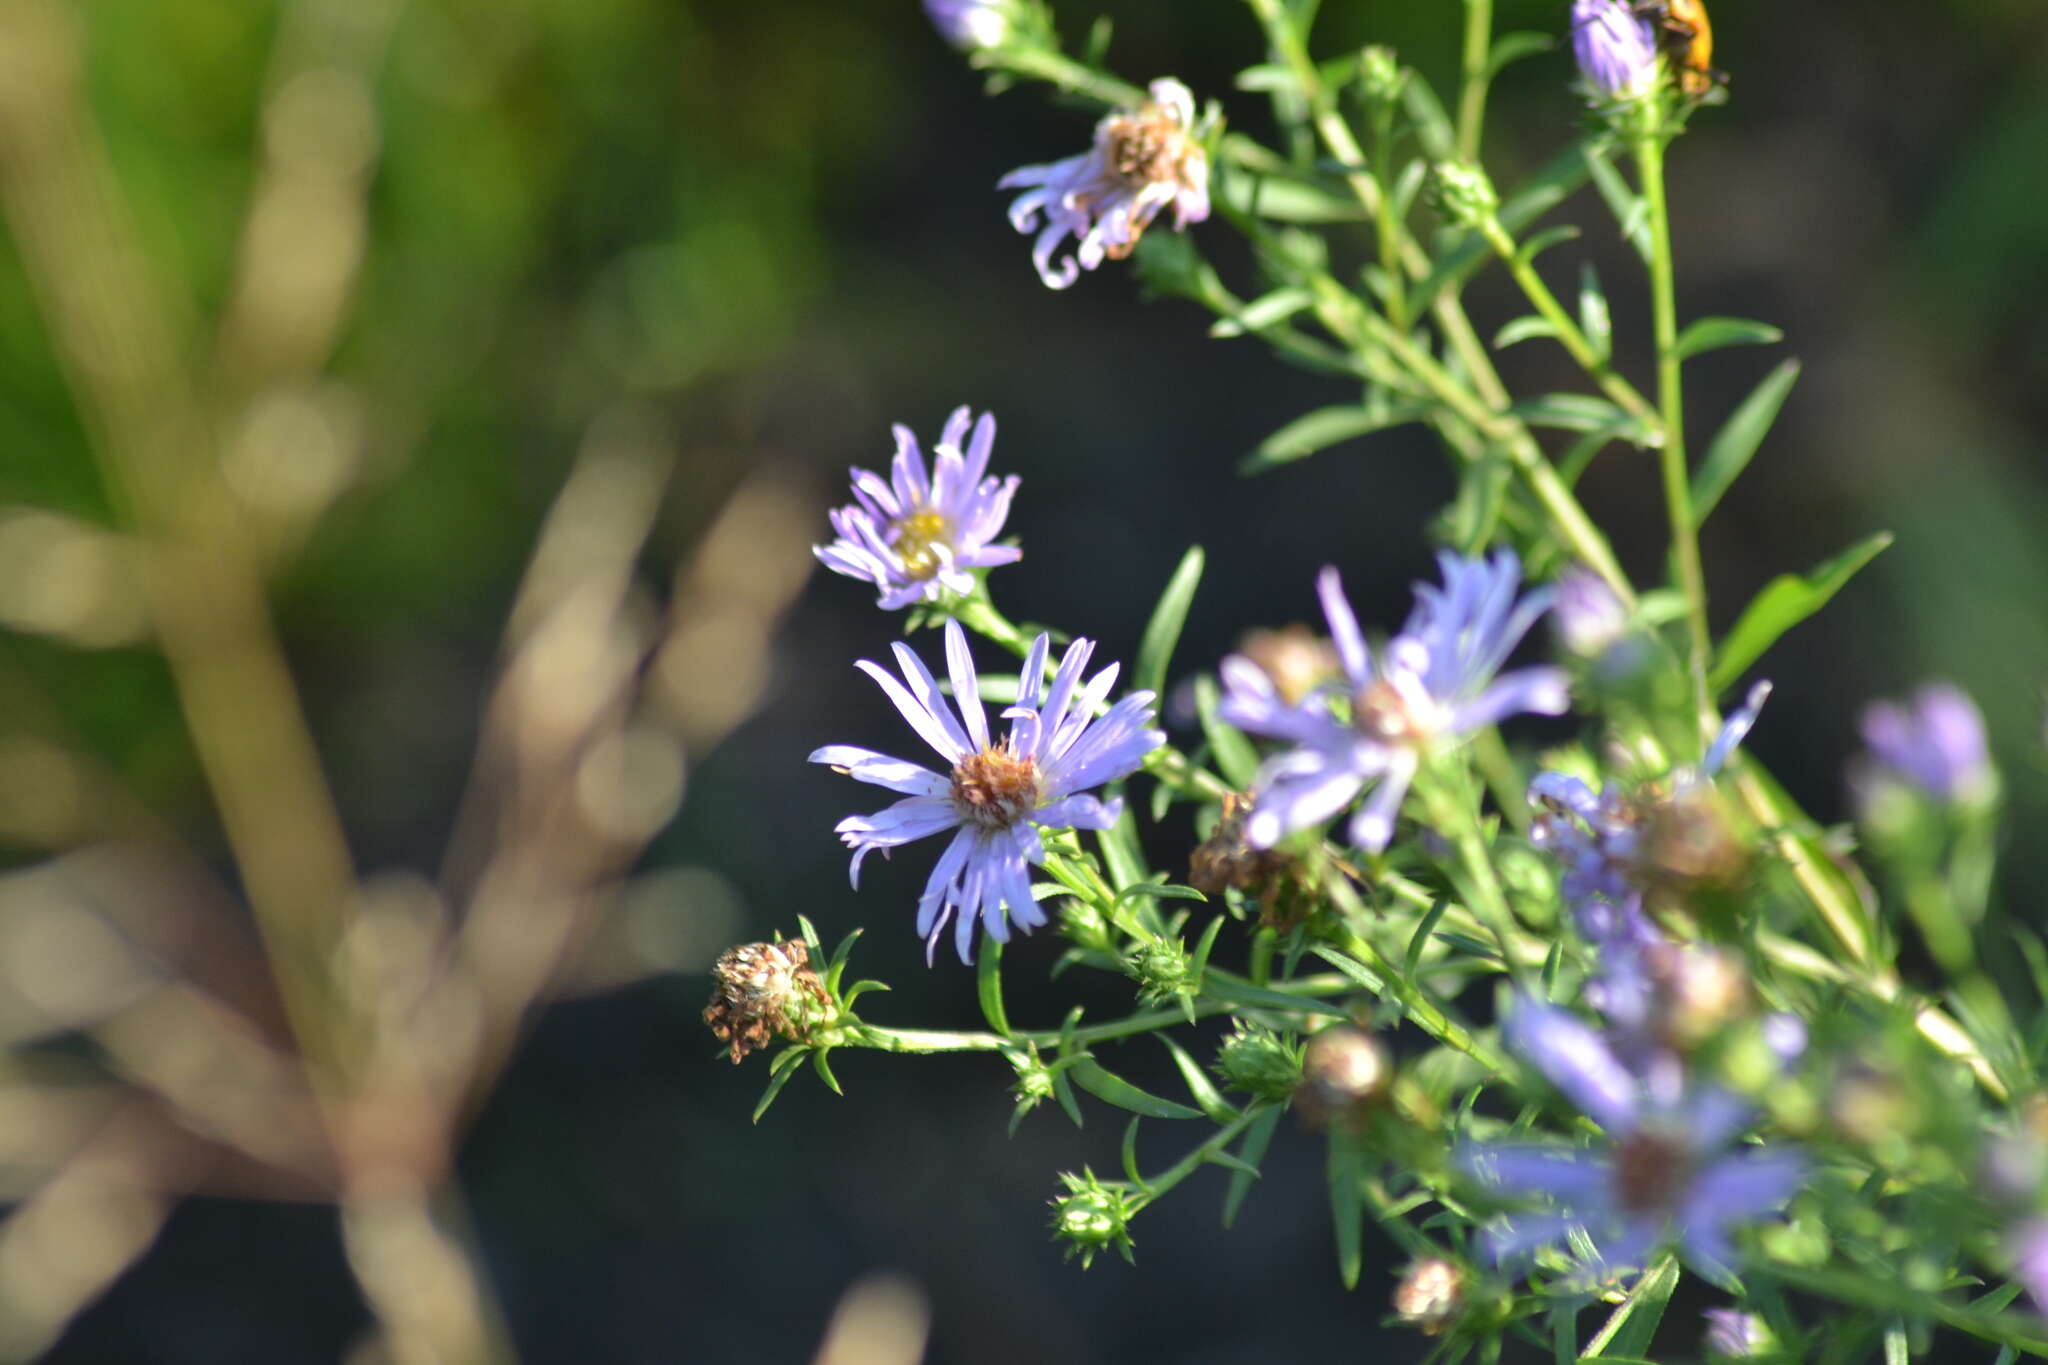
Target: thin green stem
[(1194, 1160), (1455, 814), (1045, 64), (1472, 97), (1565, 328), (1677, 477)]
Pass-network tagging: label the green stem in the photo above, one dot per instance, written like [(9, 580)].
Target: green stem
[(1685, 541), (1158, 1185), (1472, 99), (1564, 327), (1454, 812)]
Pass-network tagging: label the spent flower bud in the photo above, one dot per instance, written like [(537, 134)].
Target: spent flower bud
[(1431, 1295), (1379, 74), (760, 990), (1345, 1071), (1259, 1062)]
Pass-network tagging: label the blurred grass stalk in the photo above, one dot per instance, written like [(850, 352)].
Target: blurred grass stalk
[(400, 1000)]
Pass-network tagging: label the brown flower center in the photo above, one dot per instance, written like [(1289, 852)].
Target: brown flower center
[(995, 788), (912, 537), (1649, 1171), (1145, 148), (1382, 712)]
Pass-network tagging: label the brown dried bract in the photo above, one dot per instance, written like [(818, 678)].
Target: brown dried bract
[(761, 990)]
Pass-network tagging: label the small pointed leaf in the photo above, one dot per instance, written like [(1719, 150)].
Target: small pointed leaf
[(1736, 443), (1327, 427), (1162, 632), (1710, 334), (1784, 602), (1107, 1086)]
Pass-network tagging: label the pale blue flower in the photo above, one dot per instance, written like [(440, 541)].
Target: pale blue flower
[(999, 792), (1735, 1335), (1934, 742), (970, 24), (1616, 48), (1433, 684), (1143, 160), (919, 535), (1665, 1175)]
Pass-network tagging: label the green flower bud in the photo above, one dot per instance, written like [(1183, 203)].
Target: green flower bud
[(1260, 1062), (1162, 969), (1464, 193), (1092, 1216), (1379, 74)]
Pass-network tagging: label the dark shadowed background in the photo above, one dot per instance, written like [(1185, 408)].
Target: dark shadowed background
[(775, 222)]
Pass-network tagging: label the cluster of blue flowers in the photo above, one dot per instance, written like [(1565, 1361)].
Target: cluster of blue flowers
[(1705, 1108)]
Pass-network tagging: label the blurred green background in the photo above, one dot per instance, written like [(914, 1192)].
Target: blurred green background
[(775, 222)]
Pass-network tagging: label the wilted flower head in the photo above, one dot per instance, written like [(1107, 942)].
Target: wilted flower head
[(1665, 1175), (918, 535), (970, 24), (1616, 48), (1435, 682), (1430, 1294), (1934, 742), (1143, 160), (761, 990), (999, 791), (1344, 1071)]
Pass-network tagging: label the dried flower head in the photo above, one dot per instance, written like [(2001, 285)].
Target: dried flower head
[(1143, 160), (1296, 659), (1430, 1295), (1227, 859), (761, 990), (1344, 1072)]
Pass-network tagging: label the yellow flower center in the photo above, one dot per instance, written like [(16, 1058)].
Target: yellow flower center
[(912, 537), (995, 788)]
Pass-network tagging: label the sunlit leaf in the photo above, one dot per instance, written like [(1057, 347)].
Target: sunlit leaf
[(1783, 603)]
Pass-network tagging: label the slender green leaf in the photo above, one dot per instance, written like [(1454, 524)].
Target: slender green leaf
[(1631, 1326), (1595, 319), (1566, 411), (1063, 1091), (1199, 1083), (1784, 602), (1284, 200), (1544, 240), (988, 980), (1739, 437), (1131, 1171), (1432, 125), (1260, 997), (1263, 311), (1107, 1086), (1710, 334), (1512, 47), (1631, 214), (1573, 462), (1529, 327), (776, 1080), (1257, 1137), (1326, 427), (824, 1070), (1123, 860), (1351, 967), (1347, 1202), (1162, 632), (1235, 757)]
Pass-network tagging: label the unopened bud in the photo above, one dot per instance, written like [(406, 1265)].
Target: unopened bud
[(1379, 74), (1260, 1062), (1735, 1335), (1430, 1295), (1092, 1217), (1343, 1073), (1162, 969), (760, 990), (1465, 193)]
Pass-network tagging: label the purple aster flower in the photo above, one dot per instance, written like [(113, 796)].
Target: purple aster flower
[(970, 24), (918, 535), (2027, 1244), (1735, 1335), (1589, 617), (1435, 682), (1616, 48), (998, 791), (1664, 1175), (1143, 160), (1935, 743)]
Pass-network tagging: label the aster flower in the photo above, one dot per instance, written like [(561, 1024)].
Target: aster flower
[(1933, 743), (1435, 682), (970, 24), (918, 536), (1664, 1175), (2027, 1245), (1143, 160), (1735, 1335), (1616, 48), (999, 792)]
